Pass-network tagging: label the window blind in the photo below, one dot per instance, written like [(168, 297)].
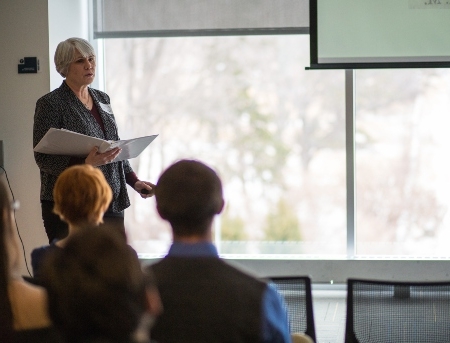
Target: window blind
[(170, 18)]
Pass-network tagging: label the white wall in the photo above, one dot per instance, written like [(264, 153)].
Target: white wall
[(25, 27), (67, 18)]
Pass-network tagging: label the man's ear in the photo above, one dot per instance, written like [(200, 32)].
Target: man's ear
[(220, 208), (160, 212)]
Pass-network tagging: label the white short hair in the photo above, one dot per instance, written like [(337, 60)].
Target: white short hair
[(65, 53)]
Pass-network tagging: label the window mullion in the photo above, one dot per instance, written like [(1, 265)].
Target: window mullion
[(350, 160)]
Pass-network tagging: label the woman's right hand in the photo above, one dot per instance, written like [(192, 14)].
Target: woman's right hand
[(96, 159)]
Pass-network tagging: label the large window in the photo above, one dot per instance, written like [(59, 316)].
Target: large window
[(246, 106), (275, 132), (402, 140)]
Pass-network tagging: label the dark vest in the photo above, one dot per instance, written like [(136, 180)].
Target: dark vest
[(41, 335), (206, 300)]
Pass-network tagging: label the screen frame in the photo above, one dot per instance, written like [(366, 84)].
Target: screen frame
[(314, 63)]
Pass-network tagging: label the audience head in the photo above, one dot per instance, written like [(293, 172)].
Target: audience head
[(188, 195), (95, 286), (65, 53), (82, 195), (9, 261)]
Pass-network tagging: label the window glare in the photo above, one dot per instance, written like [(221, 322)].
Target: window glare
[(403, 187), (247, 107)]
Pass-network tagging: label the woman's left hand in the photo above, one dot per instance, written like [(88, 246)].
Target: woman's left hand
[(96, 159), (144, 186)]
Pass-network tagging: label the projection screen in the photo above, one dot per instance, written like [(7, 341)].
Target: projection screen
[(379, 33)]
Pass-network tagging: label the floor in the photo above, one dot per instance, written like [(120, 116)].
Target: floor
[(329, 313)]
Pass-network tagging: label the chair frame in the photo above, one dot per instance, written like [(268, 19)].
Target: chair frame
[(401, 290), (310, 326)]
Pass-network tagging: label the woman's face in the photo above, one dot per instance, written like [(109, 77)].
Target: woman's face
[(82, 70)]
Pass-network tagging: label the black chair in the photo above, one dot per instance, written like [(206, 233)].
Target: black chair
[(400, 312), (297, 295)]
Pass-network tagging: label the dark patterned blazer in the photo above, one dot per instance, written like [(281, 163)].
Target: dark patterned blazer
[(62, 109)]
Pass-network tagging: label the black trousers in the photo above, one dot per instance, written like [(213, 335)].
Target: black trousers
[(55, 228)]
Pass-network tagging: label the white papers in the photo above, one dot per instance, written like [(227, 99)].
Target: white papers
[(69, 143)]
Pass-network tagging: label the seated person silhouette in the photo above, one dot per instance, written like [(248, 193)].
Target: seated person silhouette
[(204, 298), (23, 306), (97, 290), (82, 195)]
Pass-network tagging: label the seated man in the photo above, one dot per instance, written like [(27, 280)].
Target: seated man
[(204, 298)]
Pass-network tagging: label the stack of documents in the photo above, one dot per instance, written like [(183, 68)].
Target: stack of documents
[(69, 143)]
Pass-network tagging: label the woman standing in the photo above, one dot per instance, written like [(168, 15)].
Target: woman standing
[(77, 107)]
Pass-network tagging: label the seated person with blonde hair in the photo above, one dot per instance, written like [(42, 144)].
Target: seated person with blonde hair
[(23, 307), (82, 195)]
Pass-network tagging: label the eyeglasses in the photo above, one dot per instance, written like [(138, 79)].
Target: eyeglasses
[(15, 205)]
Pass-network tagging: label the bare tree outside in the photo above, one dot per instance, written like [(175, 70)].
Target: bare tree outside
[(275, 132), (402, 187)]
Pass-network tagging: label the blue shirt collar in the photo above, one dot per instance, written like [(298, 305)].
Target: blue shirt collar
[(202, 249)]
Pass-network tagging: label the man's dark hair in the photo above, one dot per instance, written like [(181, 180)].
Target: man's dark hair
[(188, 195), (96, 287)]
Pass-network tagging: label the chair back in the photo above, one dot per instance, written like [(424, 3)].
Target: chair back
[(296, 291), (401, 312)]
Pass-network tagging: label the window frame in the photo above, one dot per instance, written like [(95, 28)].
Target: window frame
[(324, 270)]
